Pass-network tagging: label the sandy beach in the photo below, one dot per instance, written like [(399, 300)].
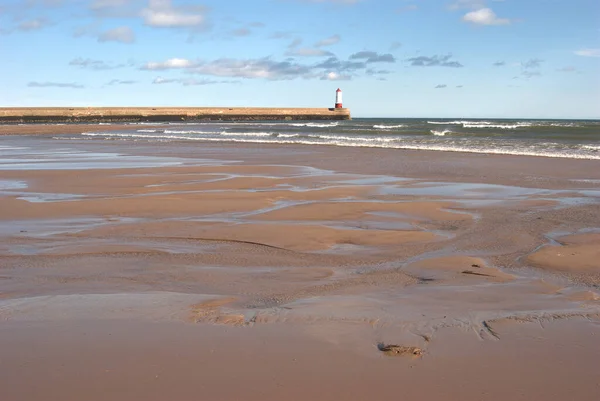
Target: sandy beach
[(218, 271)]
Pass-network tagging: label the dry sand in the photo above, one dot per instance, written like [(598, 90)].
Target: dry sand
[(258, 275)]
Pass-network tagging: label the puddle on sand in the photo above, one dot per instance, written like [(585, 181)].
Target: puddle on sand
[(462, 190), (25, 158), (12, 184), (49, 227)]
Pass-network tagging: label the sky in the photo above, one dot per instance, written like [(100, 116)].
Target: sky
[(391, 58)]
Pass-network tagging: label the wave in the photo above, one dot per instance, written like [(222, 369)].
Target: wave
[(147, 130), (483, 124), (315, 125), (456, 122), (591, 147), (225, 133), (388, 126), (500, 126), (393, 143), (441, 133), (167, 131)]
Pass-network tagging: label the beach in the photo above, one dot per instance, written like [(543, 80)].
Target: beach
[(230, 262)]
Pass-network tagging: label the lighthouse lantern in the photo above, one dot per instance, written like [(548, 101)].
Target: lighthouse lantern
[(338, 99)]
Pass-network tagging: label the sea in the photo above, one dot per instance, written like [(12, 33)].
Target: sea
[(576, 139)]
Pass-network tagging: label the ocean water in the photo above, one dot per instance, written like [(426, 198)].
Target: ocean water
[(545, 138)]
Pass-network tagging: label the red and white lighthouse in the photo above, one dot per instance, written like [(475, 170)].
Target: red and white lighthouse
[(338, 99)]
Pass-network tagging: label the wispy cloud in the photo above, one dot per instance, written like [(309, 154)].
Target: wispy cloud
[(530, 68), (499, 64), (266, 68), (373, 57), (395, 46), (120, 82), (407, 8), (532, 63), (567, 69), (91, 64), (474, 4), (588, 52), (343, 2), (33, 24), (71, 85), (434, 61), (332, 40), (189, 81), (295, 51), (114, 8), (240, 32), (280, 35), (122, 34), (441, 86), (308, 52)]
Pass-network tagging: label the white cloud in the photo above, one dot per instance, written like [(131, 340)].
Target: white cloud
[(332, 40), (334, 76), (122, 34), (485, 16), (161, 13), (172, 63), (588, 52)]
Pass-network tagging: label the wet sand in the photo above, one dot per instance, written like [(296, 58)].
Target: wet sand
[(179, 271)]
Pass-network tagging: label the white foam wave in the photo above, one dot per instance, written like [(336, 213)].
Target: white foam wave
[(315, 125), (388, 126), (440, 133), (482, 124), (500, 126), (147, 130), (591, 147), (374, 142), (167, 131), (457, 122), (225, 133)]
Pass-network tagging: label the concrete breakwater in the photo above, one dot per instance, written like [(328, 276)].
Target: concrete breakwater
[(159, 114)]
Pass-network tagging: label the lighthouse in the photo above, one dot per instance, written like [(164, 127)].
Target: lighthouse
[(338, 99)]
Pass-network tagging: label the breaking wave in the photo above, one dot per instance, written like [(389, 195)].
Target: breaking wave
[(381, 141), (440, 133), (389, 126), (315, 125)]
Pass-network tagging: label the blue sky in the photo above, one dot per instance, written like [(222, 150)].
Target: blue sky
[(413, 58)]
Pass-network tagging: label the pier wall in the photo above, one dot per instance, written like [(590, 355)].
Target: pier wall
[(160, 114)]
